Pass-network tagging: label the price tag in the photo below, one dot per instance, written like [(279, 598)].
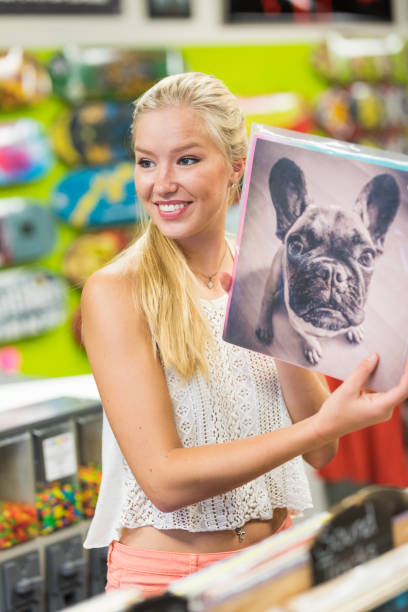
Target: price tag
[(59, 456)]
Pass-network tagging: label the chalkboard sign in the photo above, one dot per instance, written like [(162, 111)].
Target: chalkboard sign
[(360, 530)]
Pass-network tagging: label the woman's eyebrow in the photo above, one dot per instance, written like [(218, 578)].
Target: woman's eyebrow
[(190, 145)]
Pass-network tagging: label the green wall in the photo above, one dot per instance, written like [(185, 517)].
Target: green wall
[(247, 70)]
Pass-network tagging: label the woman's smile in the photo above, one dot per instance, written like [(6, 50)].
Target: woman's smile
[(171, 209)]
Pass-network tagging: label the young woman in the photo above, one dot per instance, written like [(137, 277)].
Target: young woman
[(203, 440)]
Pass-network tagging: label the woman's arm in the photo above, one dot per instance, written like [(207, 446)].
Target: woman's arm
[(304, 392), (134, 394)]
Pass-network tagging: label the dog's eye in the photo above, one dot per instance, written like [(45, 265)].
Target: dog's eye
[(366, 259), (295, 247)]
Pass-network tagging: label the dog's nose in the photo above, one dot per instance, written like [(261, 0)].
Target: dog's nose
[(332, 272)]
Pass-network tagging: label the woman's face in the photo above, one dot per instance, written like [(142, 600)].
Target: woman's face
[(181, 176)]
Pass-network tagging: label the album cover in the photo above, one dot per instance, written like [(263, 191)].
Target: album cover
[(320, 279)]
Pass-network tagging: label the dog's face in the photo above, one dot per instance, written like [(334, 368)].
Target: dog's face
[(329, 252)]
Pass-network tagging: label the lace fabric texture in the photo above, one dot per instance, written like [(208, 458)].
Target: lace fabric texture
[(241, 398)]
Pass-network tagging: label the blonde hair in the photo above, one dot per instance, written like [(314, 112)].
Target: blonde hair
[(166, 287)]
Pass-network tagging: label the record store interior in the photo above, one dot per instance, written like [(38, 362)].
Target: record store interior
[(321, 77)]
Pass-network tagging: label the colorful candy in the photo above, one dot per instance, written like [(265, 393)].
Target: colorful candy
[(58, 505), (90, 480), (18, 523)]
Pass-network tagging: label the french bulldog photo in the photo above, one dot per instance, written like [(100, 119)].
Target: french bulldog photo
[(323, 268), (320, 276)]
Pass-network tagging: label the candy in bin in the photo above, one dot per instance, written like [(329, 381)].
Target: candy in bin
[(18, 514), (89, 432), (23, 81), (58, 499), (39, 483)]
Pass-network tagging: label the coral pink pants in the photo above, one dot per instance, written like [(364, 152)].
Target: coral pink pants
[(152, 571)]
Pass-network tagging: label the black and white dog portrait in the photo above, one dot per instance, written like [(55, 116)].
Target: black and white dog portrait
[(321, 275), (327, 258)]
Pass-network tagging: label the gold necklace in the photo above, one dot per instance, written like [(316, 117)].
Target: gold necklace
[(210, 278)]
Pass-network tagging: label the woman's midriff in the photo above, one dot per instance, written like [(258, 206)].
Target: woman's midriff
[(180, 540)]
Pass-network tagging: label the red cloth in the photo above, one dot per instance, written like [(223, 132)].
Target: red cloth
[(374, 455)]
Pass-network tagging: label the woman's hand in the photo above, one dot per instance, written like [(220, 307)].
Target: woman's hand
[(351, 407)]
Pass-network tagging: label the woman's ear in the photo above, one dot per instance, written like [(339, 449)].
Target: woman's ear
[(238, 169)]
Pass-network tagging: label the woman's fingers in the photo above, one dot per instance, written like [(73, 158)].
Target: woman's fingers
[(399, 393), (225, 280), (359, 376)]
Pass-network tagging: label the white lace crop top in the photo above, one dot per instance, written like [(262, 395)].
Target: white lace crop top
[(241, 398)]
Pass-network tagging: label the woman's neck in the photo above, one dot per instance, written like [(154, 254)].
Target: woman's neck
[(207, 259)]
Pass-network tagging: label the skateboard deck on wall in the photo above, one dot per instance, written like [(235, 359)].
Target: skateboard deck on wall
[(95, 197), (91, 251), (23, 81), (89, 73), (27, 231), (25, 154), (97, 133), (31, 302)]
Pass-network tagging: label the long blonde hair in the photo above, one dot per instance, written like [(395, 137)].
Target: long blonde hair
[(166, 288)]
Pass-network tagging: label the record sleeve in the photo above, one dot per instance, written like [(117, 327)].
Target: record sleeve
[(320, 279)]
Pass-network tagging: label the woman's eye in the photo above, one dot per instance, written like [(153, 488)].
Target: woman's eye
[(188, 160), (366, 259), (145, 163), (295, 247)]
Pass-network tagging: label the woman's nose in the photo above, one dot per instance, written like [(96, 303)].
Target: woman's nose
[(166, 181)]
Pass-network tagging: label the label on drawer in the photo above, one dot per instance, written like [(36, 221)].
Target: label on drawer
[(60, 456)]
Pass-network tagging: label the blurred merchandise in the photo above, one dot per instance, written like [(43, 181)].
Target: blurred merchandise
[(39, 450), (351, 111), (31, 303), (27, 231), (343, 59), (10, 360), (89, 73), (97, 196), (97, 133), (89, 252), (23, 81), (287, 110), (25, 154), (169, 8), (306, 11)]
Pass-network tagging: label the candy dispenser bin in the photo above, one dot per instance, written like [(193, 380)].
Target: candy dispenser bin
[(39, 485), (58, 498), (89, 429), (18, 516)]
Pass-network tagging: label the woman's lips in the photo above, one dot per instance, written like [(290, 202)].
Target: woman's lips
[(172, 209)]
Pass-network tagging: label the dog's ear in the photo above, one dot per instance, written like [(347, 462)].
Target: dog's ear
[(287, 186), (377, 206)]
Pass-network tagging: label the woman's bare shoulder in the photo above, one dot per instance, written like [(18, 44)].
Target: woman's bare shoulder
[(108, 281), (110, 293)]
